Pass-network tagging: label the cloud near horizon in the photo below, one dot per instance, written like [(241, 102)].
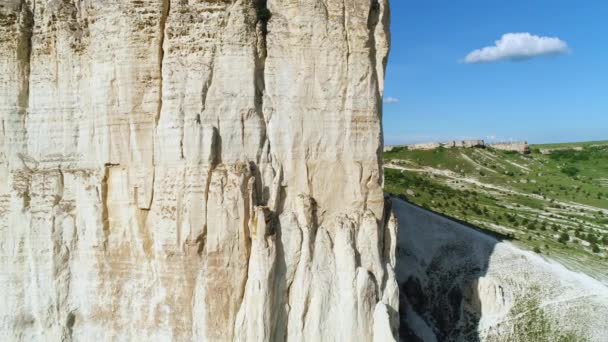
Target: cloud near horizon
[(391, 100), (518, 46)]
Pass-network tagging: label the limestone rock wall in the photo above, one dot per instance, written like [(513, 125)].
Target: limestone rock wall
[(516, 146), (194, 170)]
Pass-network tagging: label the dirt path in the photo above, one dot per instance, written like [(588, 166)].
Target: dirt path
[(476, 164), (517, 165)]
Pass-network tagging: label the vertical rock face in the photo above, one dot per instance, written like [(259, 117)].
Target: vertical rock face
[(194, 170)]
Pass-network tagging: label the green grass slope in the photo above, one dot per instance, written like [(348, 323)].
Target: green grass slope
[(555, 204)]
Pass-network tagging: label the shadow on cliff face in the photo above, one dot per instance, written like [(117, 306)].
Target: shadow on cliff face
[(439, 263)]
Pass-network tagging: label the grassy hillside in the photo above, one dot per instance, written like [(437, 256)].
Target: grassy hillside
[(554, 204), (572, 145)]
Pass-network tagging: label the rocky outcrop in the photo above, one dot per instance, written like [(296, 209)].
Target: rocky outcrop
[(458, 284), (178, 170), (519, 146), (434, 145), (467, 143), (516, 146)]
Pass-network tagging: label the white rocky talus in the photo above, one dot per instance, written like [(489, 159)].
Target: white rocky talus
[(194, 170)]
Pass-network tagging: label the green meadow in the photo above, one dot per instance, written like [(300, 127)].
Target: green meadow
[(555, 204)]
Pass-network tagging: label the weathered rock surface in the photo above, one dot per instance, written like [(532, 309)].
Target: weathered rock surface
[(458, 284), (514, 146), (194, 170)]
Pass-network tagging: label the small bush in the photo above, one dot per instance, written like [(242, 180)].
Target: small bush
[(570, 170)]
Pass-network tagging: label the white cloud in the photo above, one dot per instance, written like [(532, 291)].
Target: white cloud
[(518, 46), (391, 100)]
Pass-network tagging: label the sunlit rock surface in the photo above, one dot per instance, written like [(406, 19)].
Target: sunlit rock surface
[(194, 170)]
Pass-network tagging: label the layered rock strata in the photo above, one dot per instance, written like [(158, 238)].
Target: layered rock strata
[(194, 170), (516, 146)]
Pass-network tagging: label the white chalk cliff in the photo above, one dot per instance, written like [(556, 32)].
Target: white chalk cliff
[(210, 170)]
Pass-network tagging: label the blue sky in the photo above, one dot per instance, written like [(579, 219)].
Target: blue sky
[(549, 98)]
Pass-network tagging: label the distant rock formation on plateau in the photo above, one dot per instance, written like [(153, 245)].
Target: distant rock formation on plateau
[(517, 146)]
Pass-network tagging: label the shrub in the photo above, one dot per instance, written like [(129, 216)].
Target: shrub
[(563, 238), (536, 250), (595, 248), (591, 238), (570, 170)]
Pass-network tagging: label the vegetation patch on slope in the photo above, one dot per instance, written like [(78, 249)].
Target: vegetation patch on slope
[(555, 204), (530, 322)]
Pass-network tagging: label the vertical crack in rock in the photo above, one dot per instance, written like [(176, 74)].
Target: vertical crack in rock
[(263, 15), (346, 34), (372, 23), (24, 56), (205, 90), (348, 52), (201, 240), (166, 7), (105, 215), (60, 187), (204, 94)]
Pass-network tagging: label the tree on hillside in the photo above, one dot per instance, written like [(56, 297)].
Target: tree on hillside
[(570, 170)]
